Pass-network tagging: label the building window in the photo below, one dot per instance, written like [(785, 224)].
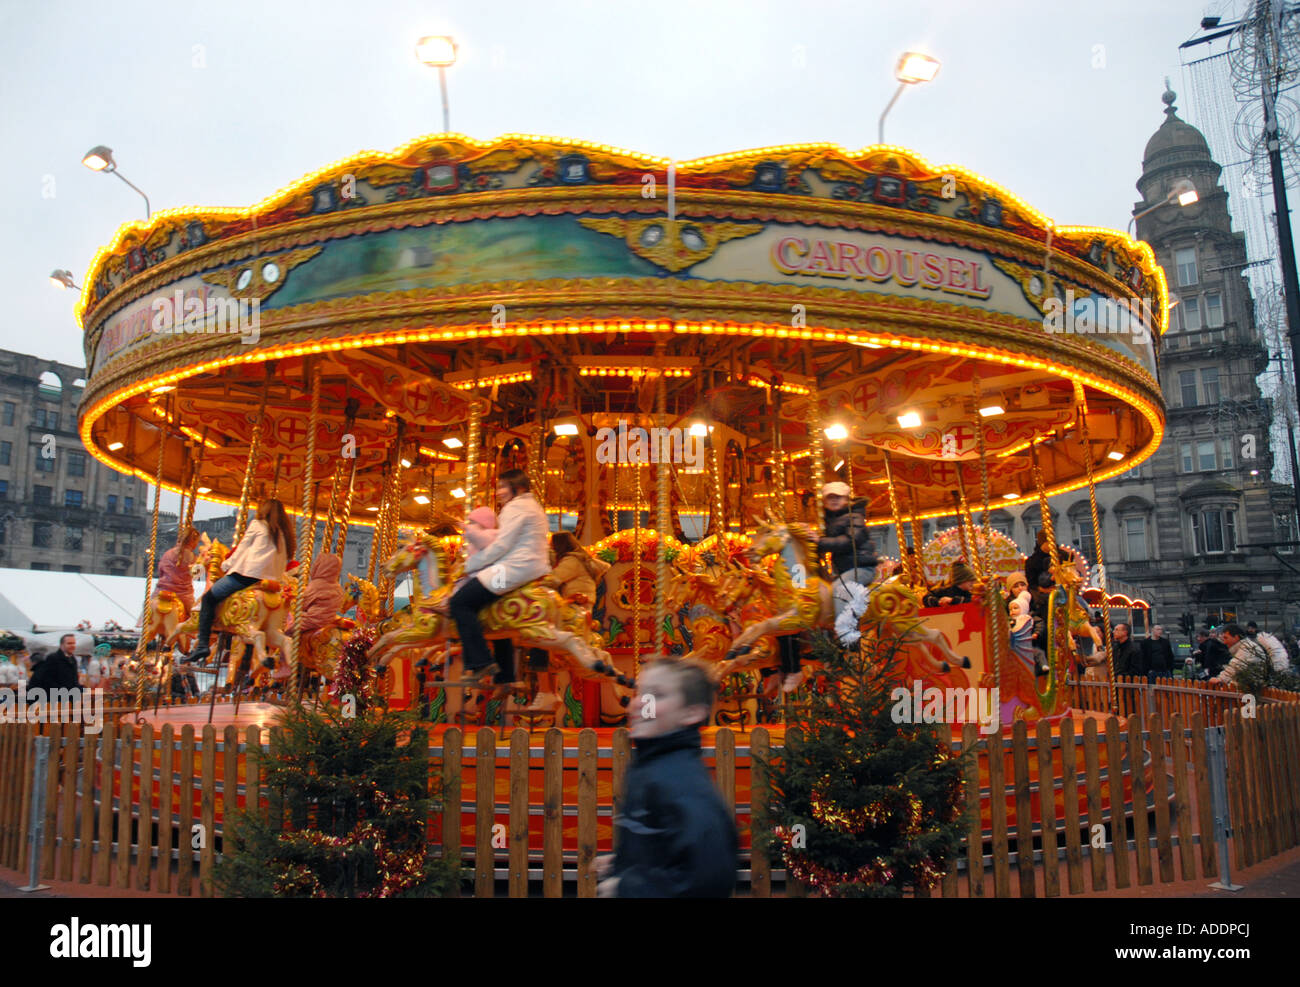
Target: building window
[(1214, 531), (128, 504), (40, 567), (1191, 309), (1134, 474), (125, 547), (1185, 260), (1185, 451), (9, 409), (1225, 453), (42, 534), (76, 464), (44, 465), (47, 419), (1205, 461), (3, 531), (1214, 310), (42, 495), (1285, 527), (112, 503), (1135, 539), (6, 453), (4, 489), (1084, 541), (72, 538), (1187, 388), (72, 568), (119, 571), (110, 543), (72, 498), (1210, 384)]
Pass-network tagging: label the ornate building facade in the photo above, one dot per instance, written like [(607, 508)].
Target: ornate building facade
[(60, 510)]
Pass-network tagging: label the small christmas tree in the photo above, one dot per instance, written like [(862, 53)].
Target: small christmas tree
[(866, 807), (354, 780)]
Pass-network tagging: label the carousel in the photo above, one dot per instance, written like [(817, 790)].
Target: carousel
[(679, 355)]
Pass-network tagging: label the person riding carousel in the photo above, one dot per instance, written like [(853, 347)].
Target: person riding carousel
[(174, 570), (517, 556), (263, 553)]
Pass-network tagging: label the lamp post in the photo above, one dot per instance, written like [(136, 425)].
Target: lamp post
[(913, 67), (100, 158), (439, 51), (63, 279), (1183, 193)]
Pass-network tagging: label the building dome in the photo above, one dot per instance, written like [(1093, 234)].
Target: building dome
[(1174, 135)]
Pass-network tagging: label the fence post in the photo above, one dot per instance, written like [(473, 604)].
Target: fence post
[(1219, 798), (36, 824)]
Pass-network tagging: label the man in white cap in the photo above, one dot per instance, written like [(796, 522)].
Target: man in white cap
[(853, 557)]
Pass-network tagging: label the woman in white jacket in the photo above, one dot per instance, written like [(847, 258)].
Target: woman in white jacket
[(517, 556), (263, 553)]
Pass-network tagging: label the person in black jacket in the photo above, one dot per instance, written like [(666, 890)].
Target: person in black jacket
[(1211, 653), (1158, 654), (675, 837), (1126, 653), (845, 537), (59, 669)]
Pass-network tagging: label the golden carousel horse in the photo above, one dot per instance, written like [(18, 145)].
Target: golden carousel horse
[(533, 616), (893, 619), (164, 614), (255, 616)]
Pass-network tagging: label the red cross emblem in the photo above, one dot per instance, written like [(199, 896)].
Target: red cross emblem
[(961, 434), (943, 474), (291, 430)]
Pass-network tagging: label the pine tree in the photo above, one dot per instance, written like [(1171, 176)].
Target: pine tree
[(866, 806), (353, 782)]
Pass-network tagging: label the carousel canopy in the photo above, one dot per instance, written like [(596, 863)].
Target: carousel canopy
[(948, 329)]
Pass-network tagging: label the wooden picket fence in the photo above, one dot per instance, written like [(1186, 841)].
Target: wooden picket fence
[(1167, 696), (101, 830)]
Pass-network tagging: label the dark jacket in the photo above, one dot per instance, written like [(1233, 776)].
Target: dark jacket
[(1212, 655), (57, 671), (675, 838), (848, 543), (1039, 562), (1158, 654), (1129, 659), (956, 593)]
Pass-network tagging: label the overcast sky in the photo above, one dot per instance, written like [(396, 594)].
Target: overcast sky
[(224, 103)]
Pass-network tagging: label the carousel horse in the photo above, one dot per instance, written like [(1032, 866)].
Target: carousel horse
[(163, 615), (798, 597), (892, 618), (534, 616), (255, 616)]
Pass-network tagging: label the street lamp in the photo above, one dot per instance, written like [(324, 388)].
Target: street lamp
[(913, 67), (100, 158), (63, 279), (1183, 193), (439, 51)]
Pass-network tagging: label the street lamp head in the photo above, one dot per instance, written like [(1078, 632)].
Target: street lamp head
[(62, 279), (437, 50), (914, 66), (1183, 192), (99, 158)]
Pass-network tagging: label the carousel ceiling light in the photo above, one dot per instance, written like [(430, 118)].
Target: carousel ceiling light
[(1117, 456), (203, 490), (836, 433), (839, 464), (421, 499), (992, 410), (406, 464), (909, 419), (458, 493), (452, 443), (566, 428), (700, 429), (1010, 496), (114, 446), (373, 509)]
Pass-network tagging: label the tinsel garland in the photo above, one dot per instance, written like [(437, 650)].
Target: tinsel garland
[(355, 676)]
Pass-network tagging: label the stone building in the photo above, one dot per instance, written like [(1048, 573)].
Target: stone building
[(60, 510), (1196, 527)]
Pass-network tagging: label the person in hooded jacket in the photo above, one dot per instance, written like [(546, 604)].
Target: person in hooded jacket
[(845, 537), (323, 599), (674, 835)]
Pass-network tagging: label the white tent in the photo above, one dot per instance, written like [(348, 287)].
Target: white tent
[(58, 601)]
